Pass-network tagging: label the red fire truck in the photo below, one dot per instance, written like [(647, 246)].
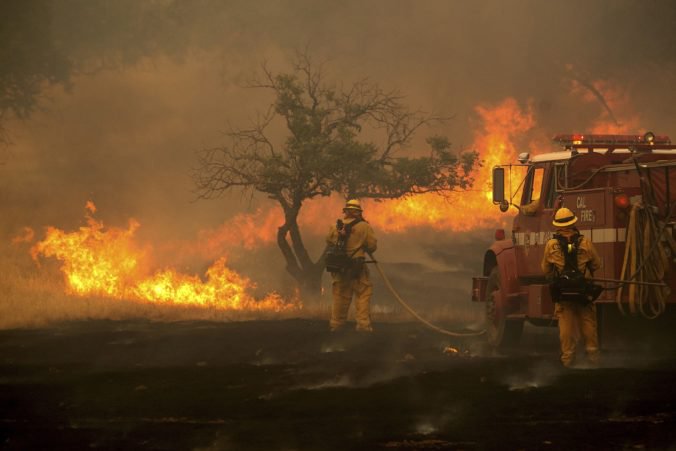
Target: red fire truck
[(620, 187)]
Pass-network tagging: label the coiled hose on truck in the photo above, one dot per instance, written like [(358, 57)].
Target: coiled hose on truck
[(645, 260)]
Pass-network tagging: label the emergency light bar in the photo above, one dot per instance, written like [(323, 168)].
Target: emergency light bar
[(647, 141)]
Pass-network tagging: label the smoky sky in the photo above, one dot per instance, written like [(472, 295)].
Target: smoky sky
[(152, 82)]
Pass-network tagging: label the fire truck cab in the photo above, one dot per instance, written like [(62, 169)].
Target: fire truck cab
[(620, 187)]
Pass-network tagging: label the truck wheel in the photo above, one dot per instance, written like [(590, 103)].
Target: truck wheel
[(501, 332)]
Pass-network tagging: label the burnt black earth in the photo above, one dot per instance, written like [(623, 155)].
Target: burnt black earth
[(290, 385)]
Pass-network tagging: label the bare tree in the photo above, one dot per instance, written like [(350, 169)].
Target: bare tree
[(323, 153)]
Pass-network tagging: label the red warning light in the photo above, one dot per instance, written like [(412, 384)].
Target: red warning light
[(622, 200)]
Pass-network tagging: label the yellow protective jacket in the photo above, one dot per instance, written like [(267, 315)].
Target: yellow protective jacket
[(361, 237), (553, 258)]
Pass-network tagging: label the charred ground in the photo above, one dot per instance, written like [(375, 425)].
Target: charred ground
[(290, 385)]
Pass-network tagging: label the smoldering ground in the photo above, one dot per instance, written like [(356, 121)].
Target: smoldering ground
[(272, 385)]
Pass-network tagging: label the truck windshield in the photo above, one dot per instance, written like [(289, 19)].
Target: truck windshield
[(533, 185)]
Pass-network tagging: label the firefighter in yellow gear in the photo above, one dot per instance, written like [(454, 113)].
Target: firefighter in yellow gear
[(575, 318), (354, 281)]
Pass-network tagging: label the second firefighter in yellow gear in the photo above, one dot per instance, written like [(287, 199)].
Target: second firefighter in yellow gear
[(354, 281), (575, 318)]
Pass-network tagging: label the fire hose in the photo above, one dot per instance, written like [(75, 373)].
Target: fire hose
[(644, 259), (413, 313)]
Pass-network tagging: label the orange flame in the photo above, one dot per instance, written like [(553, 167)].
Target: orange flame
[(466, 210), (95, 260), (224, 289), (246, 230), (106, 261)]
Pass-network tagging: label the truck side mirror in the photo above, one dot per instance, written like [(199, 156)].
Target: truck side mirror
[(498, 185)]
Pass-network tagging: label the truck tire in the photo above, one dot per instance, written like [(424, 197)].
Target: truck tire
[(501, 333)]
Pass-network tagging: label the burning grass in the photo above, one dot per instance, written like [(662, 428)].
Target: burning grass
[(86, 282), (35, 296), (108, 261)]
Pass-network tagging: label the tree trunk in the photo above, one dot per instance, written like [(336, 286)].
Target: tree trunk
[(308, 274)]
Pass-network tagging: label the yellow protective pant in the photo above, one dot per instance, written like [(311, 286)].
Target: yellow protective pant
[(577, 319), (344, 287)]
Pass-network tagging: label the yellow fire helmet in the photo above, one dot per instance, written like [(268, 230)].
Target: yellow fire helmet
[(564, 218), (352, 204)]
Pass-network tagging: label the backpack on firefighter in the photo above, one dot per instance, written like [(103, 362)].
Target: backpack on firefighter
[(570, 284), (337, 259)]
